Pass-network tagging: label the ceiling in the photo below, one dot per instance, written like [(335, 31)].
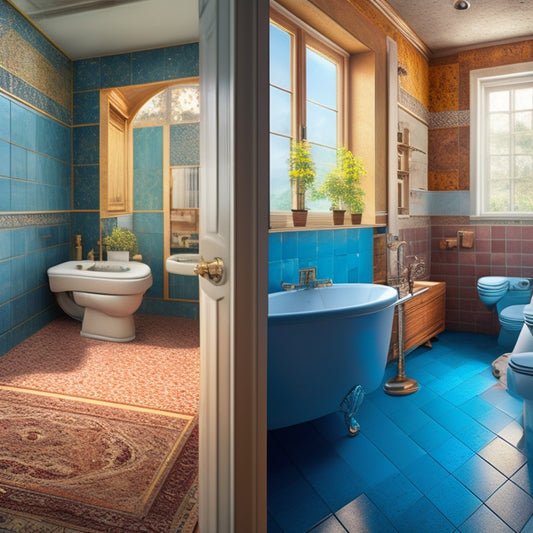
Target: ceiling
[(443, 28), (89, 28)]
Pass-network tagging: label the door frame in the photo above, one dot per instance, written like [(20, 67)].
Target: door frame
[(233, 435)]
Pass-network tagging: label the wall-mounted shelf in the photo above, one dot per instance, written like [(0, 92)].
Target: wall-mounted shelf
[(403, 171)]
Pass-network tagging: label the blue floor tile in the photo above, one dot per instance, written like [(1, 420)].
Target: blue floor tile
[(363, 515), (394, 496), (452, 454), (513, 505), (454, 500), (450, 457), (484, 520), (503, 456), (431, 436), (423, 516), (480, 477), (425, 473)]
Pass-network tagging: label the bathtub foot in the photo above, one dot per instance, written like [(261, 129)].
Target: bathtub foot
[(349, 406)]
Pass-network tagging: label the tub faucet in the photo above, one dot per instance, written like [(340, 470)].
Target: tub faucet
[(307, 280)]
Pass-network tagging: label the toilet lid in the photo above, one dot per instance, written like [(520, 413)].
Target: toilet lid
[(492, 282), (522, 363)]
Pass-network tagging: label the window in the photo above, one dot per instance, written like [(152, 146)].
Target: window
[(502, 141), (306, 101)]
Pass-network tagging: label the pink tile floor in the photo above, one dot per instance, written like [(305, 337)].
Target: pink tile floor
[(160, 369)]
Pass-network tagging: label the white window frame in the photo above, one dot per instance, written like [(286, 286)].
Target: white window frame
[(481, 80)]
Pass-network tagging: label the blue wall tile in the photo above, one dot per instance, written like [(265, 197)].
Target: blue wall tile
[(87, 187), (148, 66), (5, 114), (87, 74), (116, 70), (86, 142), (343, 255), (87, 107), (182, 61)]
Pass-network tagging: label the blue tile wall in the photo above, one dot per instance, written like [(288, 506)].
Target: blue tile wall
[(148, 169), (343, 255), (148, 227), (91, 75), (29, 245), (33, 69)]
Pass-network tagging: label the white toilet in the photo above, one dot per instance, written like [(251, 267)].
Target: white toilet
[(104, 295), (520, 373)]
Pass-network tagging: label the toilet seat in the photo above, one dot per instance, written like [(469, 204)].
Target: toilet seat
[(512, 317)]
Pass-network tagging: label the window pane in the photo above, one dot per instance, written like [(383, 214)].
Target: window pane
[(280, 190), (499, 167), (321, 79), (280, 57), (280, 111), (499, 101), (498, 123), (499, 196), (524, 98), (184, 104), (321, 125), (523, 196), (155, 110), (523, 143), (499, 144), (523, 121), (523, 166), (325, 162)]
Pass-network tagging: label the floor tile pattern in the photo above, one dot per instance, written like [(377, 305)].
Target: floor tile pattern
[(449, 458)]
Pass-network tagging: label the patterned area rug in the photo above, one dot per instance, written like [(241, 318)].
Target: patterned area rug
[(97, 465), (98, 436)]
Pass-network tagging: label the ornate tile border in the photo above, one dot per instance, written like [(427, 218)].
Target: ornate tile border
[(413, 106), (449, 119), (37, 219)]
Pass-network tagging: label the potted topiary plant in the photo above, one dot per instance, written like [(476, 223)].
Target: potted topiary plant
[(121, 240), (342, 187), (302, 172)]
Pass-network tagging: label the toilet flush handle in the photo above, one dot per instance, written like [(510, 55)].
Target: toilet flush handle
[(212, 270)]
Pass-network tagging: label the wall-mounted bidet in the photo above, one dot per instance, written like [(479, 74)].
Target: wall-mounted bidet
[(508, 295), (104, 295)]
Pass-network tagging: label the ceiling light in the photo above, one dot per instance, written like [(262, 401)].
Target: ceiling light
[(461, 5)]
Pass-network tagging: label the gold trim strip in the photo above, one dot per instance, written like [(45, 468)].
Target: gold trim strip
[(32, 106), (92, 401)]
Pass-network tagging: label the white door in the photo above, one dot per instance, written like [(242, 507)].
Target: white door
[(234, 228)]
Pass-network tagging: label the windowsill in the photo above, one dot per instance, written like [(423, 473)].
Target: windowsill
[(282, 221), (515, 220)]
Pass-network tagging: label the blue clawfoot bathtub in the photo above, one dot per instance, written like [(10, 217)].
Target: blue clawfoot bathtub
[(325, 345)]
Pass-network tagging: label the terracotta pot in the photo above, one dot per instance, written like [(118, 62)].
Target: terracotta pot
[(338, 217), (299, 217), (356, 218)]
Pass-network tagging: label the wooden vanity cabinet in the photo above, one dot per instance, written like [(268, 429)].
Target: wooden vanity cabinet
[(424, 318)]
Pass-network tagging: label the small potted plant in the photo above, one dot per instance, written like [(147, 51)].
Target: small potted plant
[(302, 172), (342, 186), (121, 240)]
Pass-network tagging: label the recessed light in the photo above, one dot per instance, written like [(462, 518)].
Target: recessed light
[(461, 5)]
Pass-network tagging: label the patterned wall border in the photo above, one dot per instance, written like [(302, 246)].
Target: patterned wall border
[(37, 219), (413, 106), (449, 119)]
